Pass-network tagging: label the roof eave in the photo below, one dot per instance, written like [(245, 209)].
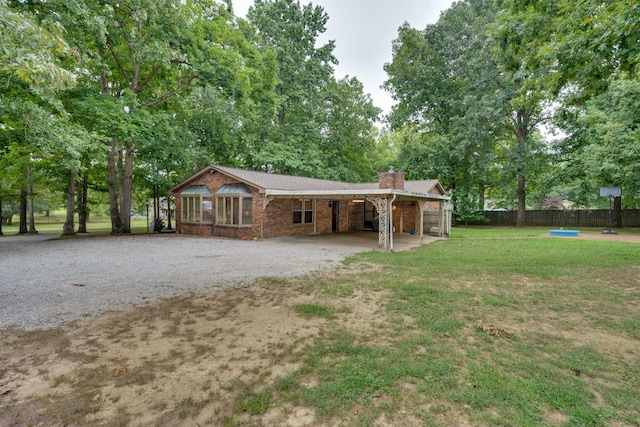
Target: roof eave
[(244, 181), (175, 188), (353, 193)]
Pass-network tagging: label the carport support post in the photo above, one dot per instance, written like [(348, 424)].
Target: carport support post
[(390, 210), (443, 220), (381, 204), (421, 219)]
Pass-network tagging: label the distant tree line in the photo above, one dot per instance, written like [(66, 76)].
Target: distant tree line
[(474, 89), (115, 98), (105, 101)]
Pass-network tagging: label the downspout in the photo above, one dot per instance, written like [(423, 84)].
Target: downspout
[(390, 210)]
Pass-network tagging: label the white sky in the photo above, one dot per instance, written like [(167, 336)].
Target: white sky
[(363, 31)]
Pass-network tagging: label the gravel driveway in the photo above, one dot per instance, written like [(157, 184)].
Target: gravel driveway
[(44, 283)]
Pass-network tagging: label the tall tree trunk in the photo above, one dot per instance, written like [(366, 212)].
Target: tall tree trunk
[(522, 197), (83, 208), (32, 216), (169, 226), (112, 179), (522, 134), (481, 196), (126, 186), (68, 228), (23, 212)]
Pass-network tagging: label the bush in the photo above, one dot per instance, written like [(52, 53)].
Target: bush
[(157, 225)]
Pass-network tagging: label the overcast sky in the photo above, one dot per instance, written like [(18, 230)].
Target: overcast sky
[(363, 31)]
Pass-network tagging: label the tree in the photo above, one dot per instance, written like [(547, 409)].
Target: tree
[(587, 44), (34, 127), (31, 50), (143, 54), (609, 140), (450, 100), (304, 71), (348, 131)]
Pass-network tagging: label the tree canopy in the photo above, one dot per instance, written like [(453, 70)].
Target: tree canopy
[(120, 98)]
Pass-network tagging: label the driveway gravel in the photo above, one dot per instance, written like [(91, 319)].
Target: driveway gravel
[(46, 282)]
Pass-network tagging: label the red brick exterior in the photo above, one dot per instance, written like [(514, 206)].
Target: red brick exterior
[(391, 180), (277, 218)]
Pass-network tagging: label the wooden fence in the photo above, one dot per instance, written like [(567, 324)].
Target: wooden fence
[(567, 218)]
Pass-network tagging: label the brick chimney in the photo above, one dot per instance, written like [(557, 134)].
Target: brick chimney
[(391, 180)]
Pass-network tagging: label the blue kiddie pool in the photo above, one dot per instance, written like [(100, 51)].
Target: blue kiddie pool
[(565, 233)]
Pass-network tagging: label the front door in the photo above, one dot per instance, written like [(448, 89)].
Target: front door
[(335, 216)]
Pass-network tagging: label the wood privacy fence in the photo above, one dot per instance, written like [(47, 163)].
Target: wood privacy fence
[(567, 218)]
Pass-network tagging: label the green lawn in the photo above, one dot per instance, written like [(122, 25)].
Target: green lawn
[(55, 227), (484, 232), (505, 330)]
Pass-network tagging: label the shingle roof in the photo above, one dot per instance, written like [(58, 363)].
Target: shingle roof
[(272, 181), (425, 186)]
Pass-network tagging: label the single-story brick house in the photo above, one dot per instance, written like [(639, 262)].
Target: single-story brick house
[(243, 204)]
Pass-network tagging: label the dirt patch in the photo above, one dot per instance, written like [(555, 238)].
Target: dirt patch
[(634, 238), (180, 361)]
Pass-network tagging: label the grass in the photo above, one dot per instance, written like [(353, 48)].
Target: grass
[(314, 310), (561, 303), (485, 232), (100, 226)]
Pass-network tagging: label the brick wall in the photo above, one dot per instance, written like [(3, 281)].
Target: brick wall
[(276, 220), (391, 180), (356, 216), (405, 216)]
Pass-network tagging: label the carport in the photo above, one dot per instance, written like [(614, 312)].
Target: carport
[(384, 201)]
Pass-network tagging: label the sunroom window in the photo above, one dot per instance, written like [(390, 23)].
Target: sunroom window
[(234, 205), (196, 204)]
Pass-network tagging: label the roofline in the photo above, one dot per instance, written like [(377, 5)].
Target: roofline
[(318, 193), (210, 169), (354, 193), (173, 189), (244, 181)]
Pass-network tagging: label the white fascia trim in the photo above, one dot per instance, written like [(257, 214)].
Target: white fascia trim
[(352, 193)]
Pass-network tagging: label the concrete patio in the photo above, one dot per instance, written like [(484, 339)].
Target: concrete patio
[(362, 241)]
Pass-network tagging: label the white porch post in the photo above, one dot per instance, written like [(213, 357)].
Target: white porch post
[(390, 210), (443, 220), (381, 204)]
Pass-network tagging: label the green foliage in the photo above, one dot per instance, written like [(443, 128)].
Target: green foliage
[(33, 51), (324, 127), (464, 115), (254, 403), (313, 310), (467, 206), (608, 142)]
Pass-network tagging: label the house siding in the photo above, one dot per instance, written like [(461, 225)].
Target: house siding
[(276, 219)]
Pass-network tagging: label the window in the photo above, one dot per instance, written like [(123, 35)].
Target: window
[(302, 211), (196, 204), (234, 205)]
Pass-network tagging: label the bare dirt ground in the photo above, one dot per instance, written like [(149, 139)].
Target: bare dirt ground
[(624, 237), (181, 361)]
